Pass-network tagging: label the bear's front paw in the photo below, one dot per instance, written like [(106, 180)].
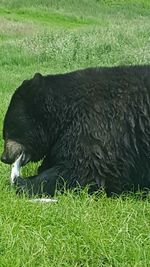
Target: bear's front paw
[(20, 185)]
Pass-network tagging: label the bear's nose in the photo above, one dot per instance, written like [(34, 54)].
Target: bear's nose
[(4, 159)]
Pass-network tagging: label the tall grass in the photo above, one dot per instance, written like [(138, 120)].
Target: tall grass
[(52, 37)]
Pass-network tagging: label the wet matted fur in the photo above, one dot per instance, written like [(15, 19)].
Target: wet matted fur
[(91, 127)]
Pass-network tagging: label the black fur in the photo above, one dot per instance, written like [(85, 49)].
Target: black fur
[(91, 126)]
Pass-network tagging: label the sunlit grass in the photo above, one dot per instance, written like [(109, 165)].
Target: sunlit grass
[(76, 231)]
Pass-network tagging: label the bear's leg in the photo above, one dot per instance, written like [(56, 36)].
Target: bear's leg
[(45, 165), (43, 183), (46, 182)]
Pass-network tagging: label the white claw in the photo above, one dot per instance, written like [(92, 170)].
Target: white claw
[(15, 172)]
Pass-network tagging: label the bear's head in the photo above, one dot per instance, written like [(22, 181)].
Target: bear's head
[(25, 127)]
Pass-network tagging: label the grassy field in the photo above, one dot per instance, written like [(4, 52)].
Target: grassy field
[(53, 36)]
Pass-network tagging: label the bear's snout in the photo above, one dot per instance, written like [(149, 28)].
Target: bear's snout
[(12, 150), (4, 158), (7, 160)]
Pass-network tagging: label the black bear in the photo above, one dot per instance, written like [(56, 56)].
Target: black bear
[(91, 127)]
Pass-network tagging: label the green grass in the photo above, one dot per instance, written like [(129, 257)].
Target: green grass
[(58, 36), (77, 231)]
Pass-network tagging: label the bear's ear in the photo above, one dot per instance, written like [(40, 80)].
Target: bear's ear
[(25, 82), (37, 77)]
